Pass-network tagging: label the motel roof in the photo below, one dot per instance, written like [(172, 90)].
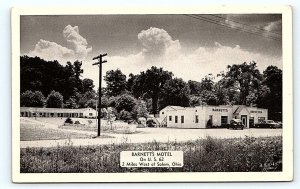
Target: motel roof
[(54, 110)]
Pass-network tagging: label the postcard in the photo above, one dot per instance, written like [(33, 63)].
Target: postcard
[(152, 94)]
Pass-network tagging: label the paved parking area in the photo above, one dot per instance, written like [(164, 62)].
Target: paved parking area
[(158, 134)]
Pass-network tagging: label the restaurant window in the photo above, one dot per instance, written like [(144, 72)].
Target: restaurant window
[(260, 119), (170, 118), (197, 119), (182, 119), (251, 121), (176, 119)]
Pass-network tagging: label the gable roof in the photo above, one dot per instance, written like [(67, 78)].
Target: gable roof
[(239, 109)]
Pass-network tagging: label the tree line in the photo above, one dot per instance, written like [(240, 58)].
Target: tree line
[(151, 90)]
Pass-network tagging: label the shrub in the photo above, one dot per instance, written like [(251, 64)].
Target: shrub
[(125, 115), (125, 102)]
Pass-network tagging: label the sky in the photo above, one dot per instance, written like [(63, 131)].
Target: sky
[(190, 46)]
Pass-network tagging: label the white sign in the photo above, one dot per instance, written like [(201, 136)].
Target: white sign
[(151, 159)]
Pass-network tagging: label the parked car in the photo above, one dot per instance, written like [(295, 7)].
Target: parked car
[(267, 124), (236, 124), (279, 123)]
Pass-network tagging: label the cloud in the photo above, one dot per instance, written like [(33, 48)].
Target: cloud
[(52, 51), (275, 26), (157, 43), (78, 43), (189, 65), (265, 25)]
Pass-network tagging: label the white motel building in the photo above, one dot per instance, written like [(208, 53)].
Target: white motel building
[(57, 112), (199, 116)]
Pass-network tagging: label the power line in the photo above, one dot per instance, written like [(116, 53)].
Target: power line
[(231, 20), (198, 17), (217, 22)]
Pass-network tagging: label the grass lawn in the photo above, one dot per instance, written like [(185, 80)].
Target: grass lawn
[(30, 132), (263, 154)]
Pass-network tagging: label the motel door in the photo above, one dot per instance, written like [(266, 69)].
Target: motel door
[(244, 120)]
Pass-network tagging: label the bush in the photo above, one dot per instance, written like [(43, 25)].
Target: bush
[(125, 102), (125, 115)]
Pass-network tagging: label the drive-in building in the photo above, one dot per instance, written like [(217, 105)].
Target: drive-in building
[(210, 116), (57, 112)]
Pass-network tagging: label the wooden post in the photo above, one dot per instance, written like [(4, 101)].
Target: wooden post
[(99, 63)]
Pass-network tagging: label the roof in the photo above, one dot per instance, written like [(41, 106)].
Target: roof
[(239, 109), (175, 107), (54, 110)]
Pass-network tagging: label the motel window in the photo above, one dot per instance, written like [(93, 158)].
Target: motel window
[(176, 119), (90, 114), (81, 114), (182, 119), (224, 120), (170, 118), (197, 119), (260, 119)]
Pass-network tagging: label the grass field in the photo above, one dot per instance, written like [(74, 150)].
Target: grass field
[(39, 132), (214, 155)]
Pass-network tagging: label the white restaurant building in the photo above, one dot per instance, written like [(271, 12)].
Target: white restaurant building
[(57, 112), (199, 116)]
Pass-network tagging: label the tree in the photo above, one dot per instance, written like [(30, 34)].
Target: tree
[(149, 85), (140, 109), (225, 94), (32, 99), (45, 76), (125, 102), (91, 103), (54, 100), (130, 82), (244, 78), (175, 92), (207, 83), (84, 98), (77, 74), (87, 85), (104, 102), (270, 95), (116, 82), (71, 103), (196, 101), (209, 97), (195, 87)]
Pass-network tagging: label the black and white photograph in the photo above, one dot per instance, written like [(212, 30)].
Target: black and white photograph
[(141, 94)]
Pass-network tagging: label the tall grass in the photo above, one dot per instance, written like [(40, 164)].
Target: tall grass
[(203, 155)]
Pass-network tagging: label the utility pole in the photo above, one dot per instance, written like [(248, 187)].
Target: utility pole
[(99, 63)]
